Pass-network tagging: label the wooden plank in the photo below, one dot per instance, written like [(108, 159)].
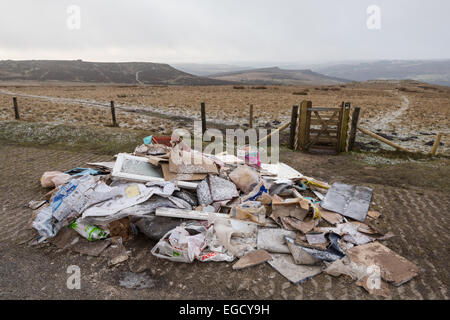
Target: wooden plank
[(436, 144), (294, 116), (355, 117), (390, 143), (316, 122), (113, 114), (281, 128), (203, 114), (323, 109), (188, 214), (344, 126), (302, 123), (200, 215), (16, 109), (328, 130)]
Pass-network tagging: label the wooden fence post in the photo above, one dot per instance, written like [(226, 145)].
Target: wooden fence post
[(113, 114), (203, 111), (16, 109), (302, 134), (293, 129), (436, 144), (344, 126), (250, 120), (355, 117)]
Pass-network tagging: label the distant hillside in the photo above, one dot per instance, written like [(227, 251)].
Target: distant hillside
[(276, 76), (430, 71), (206, 70), (100, 72)]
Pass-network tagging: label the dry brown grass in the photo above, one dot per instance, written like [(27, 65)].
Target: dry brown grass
[(428, 111)]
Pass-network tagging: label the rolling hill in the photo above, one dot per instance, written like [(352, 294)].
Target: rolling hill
[(100, 72), (430, 71), (277, 76)]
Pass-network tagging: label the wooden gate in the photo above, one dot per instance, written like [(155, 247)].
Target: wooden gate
[(322, 128)]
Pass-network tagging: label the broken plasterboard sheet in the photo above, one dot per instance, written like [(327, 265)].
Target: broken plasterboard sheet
[(326, 255), (169, 176), (133, 168), (252, 258), (349, 200), (281, 171), (272, 239), (190, 162), (394, 268), (295, 273), (229, 159), (300, 256)]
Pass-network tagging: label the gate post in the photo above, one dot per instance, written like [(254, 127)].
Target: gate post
[(294, 116), (344, 126), (353, 128), (302, 123)]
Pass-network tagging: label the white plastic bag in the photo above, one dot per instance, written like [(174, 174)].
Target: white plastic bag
[(179, 245)]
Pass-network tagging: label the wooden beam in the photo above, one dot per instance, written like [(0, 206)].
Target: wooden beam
[(354, 126), (294, 116), (16, 109), (281, 128), (250, 120), (188, 214), (203, 112), (344, 126), (199, 215), (302, 123), (113, 114), (386, 141), (436, 144)]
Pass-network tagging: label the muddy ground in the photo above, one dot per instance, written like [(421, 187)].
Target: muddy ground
[(412, 195)]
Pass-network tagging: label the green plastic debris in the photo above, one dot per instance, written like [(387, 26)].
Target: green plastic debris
[(88, 231)]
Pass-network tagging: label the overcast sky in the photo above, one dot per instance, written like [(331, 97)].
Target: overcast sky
[(224, 31)]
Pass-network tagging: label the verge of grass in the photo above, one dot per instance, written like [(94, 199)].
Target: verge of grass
[(100, 140)]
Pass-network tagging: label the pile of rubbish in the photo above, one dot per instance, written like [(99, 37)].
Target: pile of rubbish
[(206, 207)]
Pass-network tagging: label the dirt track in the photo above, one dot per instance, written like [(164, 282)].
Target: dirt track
[(418, 215)]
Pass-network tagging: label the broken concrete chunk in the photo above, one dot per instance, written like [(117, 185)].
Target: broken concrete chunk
[(203, 193), (222, 189), (252, 258), (394, 268), (284, 264), (349, 200)]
